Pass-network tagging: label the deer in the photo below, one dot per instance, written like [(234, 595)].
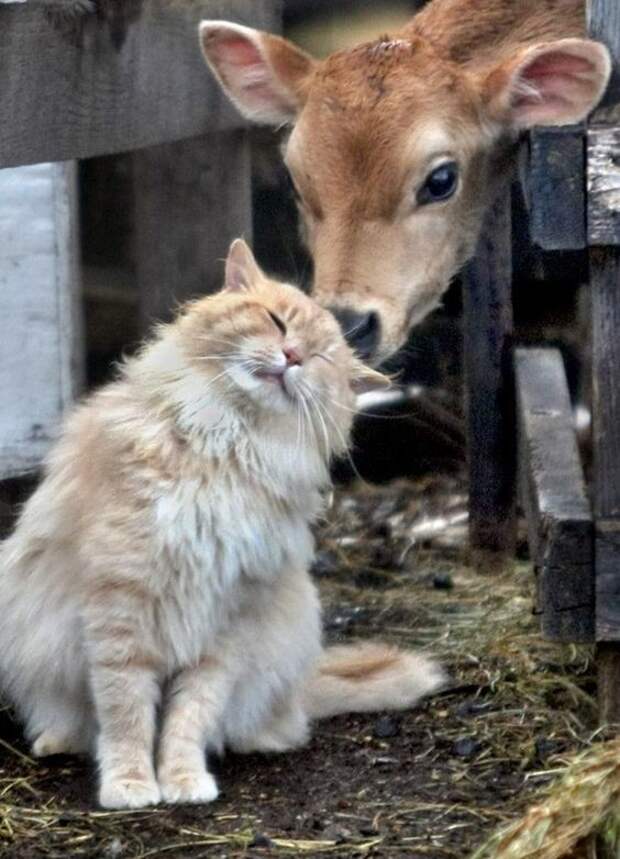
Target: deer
[(396, 148)]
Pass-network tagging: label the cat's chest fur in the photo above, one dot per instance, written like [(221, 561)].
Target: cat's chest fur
[(222, 544)]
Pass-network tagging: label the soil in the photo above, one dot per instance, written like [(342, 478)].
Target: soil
[(431, 782)]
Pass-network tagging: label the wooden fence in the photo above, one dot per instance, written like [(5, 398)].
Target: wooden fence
[(572, 185), (94, 86)]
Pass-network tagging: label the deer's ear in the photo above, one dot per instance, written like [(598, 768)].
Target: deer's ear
[(554, 83), (242, 271), (263, 75)]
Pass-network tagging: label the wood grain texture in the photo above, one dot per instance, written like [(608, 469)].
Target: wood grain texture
[(604, 25), (604, 186), (553, 495), (488, 326), (191, 200), (555, 189), (41, 356), (605, 284), (75, 96)]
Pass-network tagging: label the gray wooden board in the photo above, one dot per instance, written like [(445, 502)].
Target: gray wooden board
[(40, 340), (553, 494), (604, 25), (605, 284), (63, 96), (487, 293), (604, 186), (191, 200), (554, 188)]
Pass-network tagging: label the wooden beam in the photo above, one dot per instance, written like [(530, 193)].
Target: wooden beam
[(74, 95), (604, 186), (191, 200), (41, 359), (553, 495), (488, 321), (554, 188), (604, 24)]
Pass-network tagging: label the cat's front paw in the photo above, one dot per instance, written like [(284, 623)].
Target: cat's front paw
[(128, 792), (187, 785)]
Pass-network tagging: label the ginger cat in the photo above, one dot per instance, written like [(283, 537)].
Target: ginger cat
[(162, 564)]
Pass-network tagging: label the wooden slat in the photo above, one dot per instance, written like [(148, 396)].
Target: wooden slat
[(553, 494), (555, 189), (41, 356), (604, 25), (488, 321), (192, 199), (64, 97), (605, 283), (604, 186)]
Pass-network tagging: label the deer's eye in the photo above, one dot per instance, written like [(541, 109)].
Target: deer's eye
[(440, 184)]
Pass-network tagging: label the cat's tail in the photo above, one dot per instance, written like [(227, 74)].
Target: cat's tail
[(369, 676)]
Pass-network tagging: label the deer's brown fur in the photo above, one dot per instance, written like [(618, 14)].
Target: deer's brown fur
[(369, 124)]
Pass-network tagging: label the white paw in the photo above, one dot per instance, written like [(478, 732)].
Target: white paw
[(122, 792), (48, 743), (188, 786)]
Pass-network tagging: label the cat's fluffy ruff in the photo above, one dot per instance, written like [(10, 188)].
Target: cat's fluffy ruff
[(167, 551)]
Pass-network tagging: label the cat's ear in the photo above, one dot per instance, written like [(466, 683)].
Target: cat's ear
[(365, 379), (242, 271)]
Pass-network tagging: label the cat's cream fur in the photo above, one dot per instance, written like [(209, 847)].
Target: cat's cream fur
[(163, 562)]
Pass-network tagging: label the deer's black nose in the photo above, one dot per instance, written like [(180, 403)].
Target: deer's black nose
[(361, 330)]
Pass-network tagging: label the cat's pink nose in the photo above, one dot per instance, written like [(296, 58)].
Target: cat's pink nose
[(292, 356)]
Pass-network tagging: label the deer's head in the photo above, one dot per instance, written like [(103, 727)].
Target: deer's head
[(395, 152)]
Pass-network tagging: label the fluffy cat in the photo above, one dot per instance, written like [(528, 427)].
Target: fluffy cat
[(163, 561)]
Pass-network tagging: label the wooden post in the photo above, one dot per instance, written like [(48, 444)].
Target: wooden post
[(41, 360), (490, 389), (604, 239), (191, 199)]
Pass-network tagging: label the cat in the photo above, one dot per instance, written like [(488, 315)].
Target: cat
[(162, 564)]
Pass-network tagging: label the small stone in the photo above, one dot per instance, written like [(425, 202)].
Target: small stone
[(443, 582), (383, 557), (466, 747), (367, 578), (337, 834), (261, 840), (545, 747), (113, 848), (472, 708), (325, 563), (386, 727)]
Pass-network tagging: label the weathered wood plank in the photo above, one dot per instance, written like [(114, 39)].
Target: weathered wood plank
[(40, 347), (554, 188), (604, 25), (605, 284), (70, 97), (192, 199), (553, 495), (604, 186), (488, 323)]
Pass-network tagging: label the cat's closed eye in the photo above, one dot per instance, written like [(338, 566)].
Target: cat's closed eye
[(277, 322)]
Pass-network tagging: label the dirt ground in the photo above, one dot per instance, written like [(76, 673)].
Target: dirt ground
[(432, 782)]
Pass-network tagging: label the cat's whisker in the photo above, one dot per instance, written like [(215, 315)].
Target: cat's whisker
[(346, 452), (313, 401)]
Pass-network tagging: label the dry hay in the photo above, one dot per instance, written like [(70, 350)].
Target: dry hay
[(579, 818)]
